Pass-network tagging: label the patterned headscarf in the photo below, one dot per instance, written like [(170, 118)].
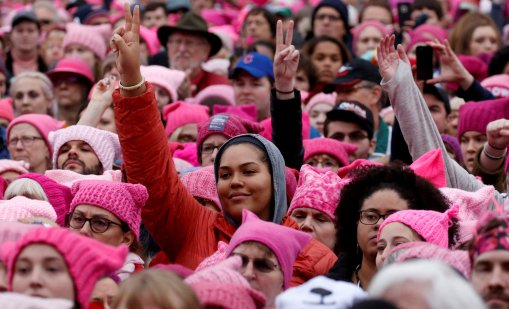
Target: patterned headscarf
[(491, 233)]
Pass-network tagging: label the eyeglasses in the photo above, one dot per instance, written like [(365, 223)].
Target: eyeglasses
[(322, 17), (323, 162), (25, 141), (209, 148), (188, 43), (355, 136), (370, 217), (97, 224), (66, 80), (259, 264)]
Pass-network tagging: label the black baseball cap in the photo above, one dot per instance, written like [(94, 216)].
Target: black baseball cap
[(25, 16), (353, 72), (353, 111)]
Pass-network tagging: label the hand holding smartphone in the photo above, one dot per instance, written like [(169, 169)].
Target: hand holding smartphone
[(424, 54)]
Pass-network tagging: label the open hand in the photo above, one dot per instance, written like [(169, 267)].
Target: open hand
[(286, 59), (125, 43), (102, 91), (388, 57), (498, 133)]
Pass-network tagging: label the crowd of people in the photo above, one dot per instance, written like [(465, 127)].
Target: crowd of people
[(254, 154)]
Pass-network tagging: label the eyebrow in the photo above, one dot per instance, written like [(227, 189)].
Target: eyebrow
[(242, 165)]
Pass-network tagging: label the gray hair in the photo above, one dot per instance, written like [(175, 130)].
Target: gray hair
[(25, 187), (49, 6), (46, 85), (447, 289)]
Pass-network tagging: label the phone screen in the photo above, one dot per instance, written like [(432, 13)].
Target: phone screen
[(424, 55), (403, 13)]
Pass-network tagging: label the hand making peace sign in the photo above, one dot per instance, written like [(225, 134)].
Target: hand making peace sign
[(286, 59)]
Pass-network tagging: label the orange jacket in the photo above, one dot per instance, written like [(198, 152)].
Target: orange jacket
[(186, 231)]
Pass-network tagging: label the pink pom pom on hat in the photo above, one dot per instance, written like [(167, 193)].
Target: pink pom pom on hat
[(202, 183), (318, 190), (334, 148), (178, 114), (87, 259), (432, 226), (286, 243), (123, 200), (59, 196), (44, 124), (104, 143), (20, 207)]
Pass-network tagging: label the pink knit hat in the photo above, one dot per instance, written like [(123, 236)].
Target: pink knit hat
[(124, 200), (223, 286), (498, 85), (87, 259), (475, 116), (76, 66), (20, 167), (150, 38), (318, 190), (6, 111), (178, 114), (20, 207), (267, 127), (187, 152), (334, 148), (226, 125), (224, 92), (104, 143), (357, 30), (201, 183), (458, 259), (432, 226), (475, 66), (431, 167), (161, 77), (43, 123), (286, 243), (431, 32), (59, 196), (68, 178), (321, 98), (244, 111), (87, 36)]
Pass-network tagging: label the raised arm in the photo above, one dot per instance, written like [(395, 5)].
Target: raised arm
[(100, 100), (285, 103), (170, 211)]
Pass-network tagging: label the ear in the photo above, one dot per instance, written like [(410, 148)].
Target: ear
[(128, 238), (372, 146), (377, 95)]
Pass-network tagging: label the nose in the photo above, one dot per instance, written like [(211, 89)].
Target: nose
[(307, 225), (35, 278), (319, 165), (236, 181), (248, 272), (471, 146), (85, 230)]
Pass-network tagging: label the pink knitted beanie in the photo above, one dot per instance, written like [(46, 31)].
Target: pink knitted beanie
[(357, 30), (334, 148), (87, 259), (149, 36), (321, 98), (68, 178), (161, 77), (222, 285), (178, 114), (59, 196), (224, 92), (318, 190), (87, 36), (20, 207), (432, 226), (498, 85), (475, 116), (201, 183), (43, 123), (124, 200), (244, 111), (20, 167), (226, 125), (431, 167), (104, 143), (286, 243)]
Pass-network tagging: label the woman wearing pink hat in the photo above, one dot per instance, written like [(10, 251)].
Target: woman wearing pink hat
[(367, 35), (182, 121), (317, 109), (72, 79), (55, 263), (166, 82), (110, 213), (327, 153), (27, 140)]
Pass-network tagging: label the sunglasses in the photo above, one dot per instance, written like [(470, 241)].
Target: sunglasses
[(259, 264)]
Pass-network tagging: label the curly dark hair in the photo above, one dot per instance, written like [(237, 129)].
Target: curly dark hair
[(415, 190)]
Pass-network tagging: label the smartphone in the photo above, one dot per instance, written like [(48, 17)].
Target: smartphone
[(403, 13), (424, 57)]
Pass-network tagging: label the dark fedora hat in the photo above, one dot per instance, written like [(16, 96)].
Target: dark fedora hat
[(194, 24)]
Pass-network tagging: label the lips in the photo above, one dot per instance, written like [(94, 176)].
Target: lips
[(69, 162), (237, 195)]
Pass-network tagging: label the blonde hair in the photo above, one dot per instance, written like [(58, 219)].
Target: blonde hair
[(160, 288), (25, 187), (46, 86)]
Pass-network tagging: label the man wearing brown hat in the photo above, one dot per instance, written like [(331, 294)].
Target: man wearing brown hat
[(189, 44)]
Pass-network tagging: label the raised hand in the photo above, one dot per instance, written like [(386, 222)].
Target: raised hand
[(125, 43), (498, 133), (286, 59), (102, 91), (388, 57), (451, 68)]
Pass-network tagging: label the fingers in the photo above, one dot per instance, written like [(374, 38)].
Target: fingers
[(135, 28), (279, 33), (289, 34), (392, 39), (128, 17), (120, 32), (119, 43), (402, 54)]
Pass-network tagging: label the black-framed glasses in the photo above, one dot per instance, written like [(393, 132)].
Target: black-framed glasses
[(209, 148), (259, 264), (371, 217), (97, 224), (25, 140), (355, 136), (327, 16)]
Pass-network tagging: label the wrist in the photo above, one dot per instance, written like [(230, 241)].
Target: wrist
[(494, 153), (130, 80), (465, 80)]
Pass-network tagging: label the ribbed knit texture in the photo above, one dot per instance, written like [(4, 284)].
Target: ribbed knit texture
[(87, 259), (178, 114), (87, 36), (475, 116), (201, 183), (20, 207), (124, 200), (323, 145)]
